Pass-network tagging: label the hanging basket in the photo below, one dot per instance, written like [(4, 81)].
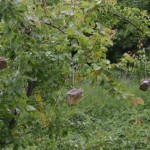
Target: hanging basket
[(73, 96), (3, 63), (145, 85)]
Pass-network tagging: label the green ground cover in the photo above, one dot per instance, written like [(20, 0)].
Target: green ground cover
[(103, 120)]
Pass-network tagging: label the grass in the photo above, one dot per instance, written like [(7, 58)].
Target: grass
[(103, 120)]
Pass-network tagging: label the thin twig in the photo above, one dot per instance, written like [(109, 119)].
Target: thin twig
[(73, 72), (51, 24), (145, 63), (89, 92), (44, 5), (127, 21), (58, 28), (56, 102)]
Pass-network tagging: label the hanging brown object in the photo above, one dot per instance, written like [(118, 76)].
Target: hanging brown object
[(145, 84), (73, 96), (3, 63)]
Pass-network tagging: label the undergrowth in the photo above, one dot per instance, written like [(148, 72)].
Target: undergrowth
[(101, 121)]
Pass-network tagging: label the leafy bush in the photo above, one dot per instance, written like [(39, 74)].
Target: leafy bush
[(38, 41)]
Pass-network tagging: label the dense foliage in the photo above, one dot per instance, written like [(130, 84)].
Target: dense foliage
[(40, 40), (128, 37)]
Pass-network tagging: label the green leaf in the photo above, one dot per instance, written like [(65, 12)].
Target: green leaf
[(1, 123), (96, 67), (31, 108)]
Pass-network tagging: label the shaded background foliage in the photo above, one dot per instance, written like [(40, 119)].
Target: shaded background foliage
[(127, 38)]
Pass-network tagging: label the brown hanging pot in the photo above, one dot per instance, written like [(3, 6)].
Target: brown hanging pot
[(73, 96), (3, 63), (145, 84)]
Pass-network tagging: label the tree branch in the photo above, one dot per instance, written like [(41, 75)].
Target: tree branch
[(52, 25), (127, 21), (30, 87)]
